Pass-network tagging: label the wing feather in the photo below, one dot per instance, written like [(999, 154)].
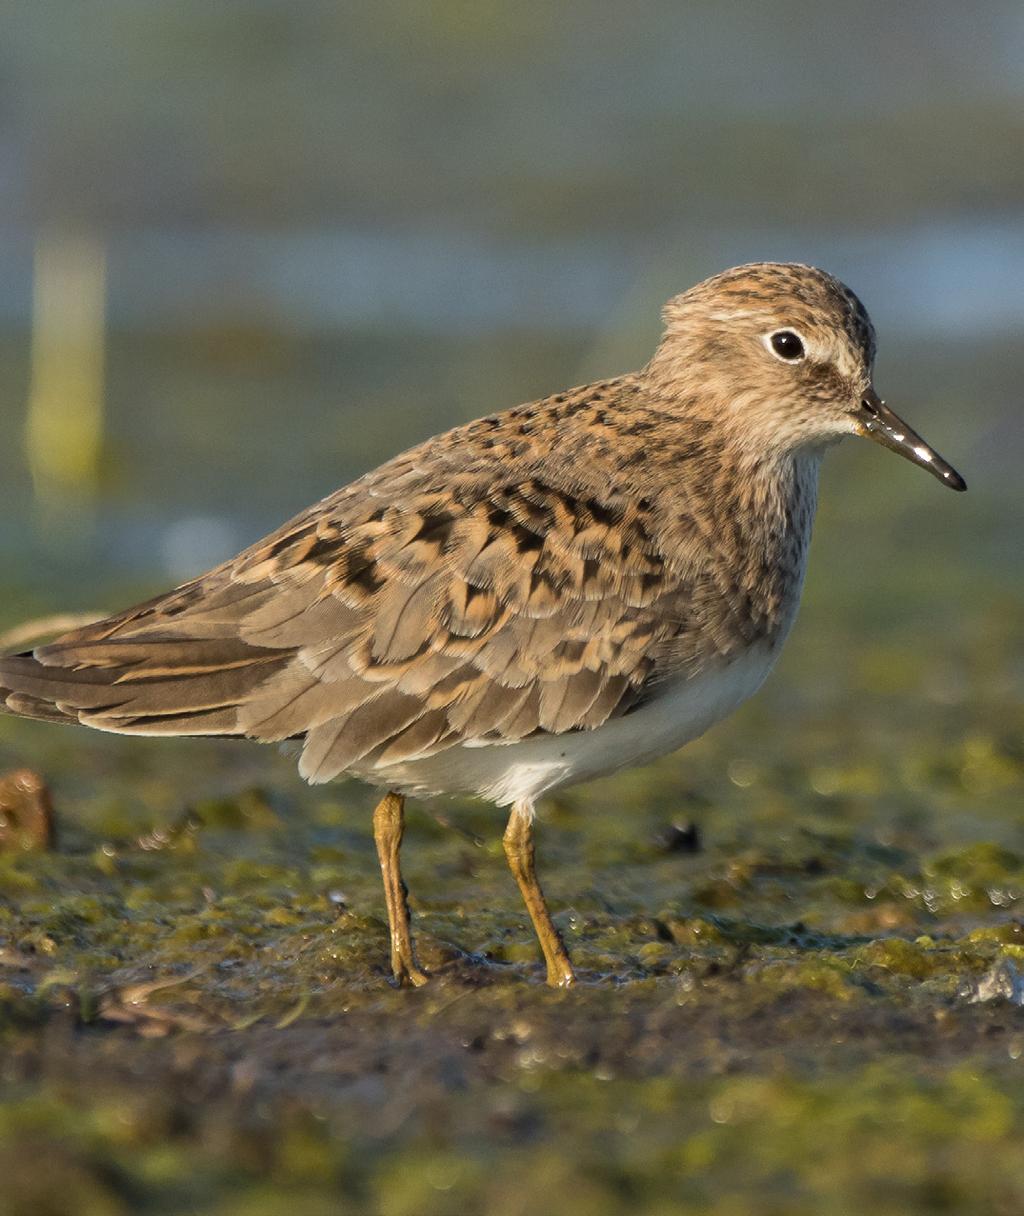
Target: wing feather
[(458, 594)]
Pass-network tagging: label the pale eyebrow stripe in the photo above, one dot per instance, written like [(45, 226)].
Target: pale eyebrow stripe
[(735, 313)]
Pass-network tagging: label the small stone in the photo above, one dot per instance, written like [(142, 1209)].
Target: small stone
[(26, 813), (1003, 981), (680, 838)]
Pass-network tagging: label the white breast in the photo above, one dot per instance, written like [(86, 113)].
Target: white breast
[(506, 773)]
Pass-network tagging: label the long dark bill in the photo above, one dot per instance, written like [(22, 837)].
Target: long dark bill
[(878, 422)]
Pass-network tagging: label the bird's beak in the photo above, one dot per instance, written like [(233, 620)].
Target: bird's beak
[(878, 422)]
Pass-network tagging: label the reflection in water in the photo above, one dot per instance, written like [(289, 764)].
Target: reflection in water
[(64, 424), (952, 277)]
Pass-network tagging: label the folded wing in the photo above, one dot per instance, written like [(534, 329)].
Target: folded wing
[(391, 622)]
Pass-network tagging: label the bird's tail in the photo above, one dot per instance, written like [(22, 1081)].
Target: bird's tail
[(24, 704)]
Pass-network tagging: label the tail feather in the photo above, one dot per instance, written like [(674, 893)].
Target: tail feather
[(24, 706), (175, 686)]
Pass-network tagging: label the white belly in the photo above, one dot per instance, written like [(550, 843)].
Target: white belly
[(506, 773)]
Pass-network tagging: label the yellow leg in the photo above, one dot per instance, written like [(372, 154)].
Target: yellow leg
[(518, 842), (388, 828)]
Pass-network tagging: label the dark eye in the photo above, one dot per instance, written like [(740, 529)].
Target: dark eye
[(787, 345)]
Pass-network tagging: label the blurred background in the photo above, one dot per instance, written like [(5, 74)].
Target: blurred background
[(247, 252)]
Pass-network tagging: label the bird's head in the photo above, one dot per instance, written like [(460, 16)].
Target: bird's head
[(783, 354)]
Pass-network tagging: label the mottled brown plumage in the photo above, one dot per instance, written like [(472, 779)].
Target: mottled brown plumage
[(475, 612), (429, 603)]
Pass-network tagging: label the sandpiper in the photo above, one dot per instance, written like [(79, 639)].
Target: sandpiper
[(537, 598)]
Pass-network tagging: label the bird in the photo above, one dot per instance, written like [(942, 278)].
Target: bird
[(536, 598)]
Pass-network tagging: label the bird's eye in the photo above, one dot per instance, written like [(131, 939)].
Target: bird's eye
[(787, 345)]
